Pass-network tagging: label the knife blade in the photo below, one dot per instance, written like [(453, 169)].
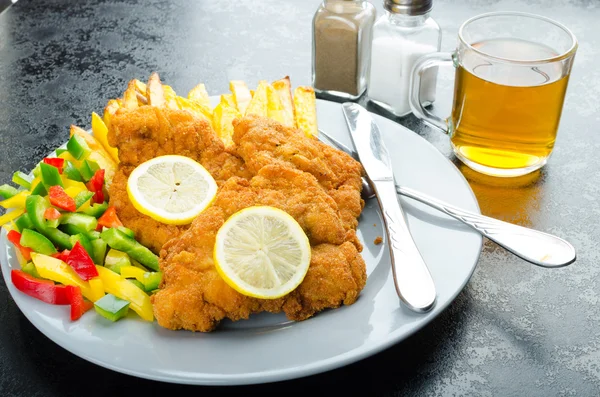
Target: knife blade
[(412, 279)]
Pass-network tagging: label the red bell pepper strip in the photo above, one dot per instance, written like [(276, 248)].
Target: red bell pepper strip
[(15, 238), (51, 214), (110, 218), (95, 185), (59, 198), (44, 290), (78, 305), (81, 262), (62, 255), (55, 162)]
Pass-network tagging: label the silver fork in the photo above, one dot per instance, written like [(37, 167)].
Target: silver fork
[(541, 249)]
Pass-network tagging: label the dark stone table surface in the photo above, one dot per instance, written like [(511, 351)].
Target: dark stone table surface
[(515, 330)]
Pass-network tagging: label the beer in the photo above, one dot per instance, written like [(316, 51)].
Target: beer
[(507, 117)]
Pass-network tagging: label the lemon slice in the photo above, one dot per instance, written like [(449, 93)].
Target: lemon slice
[(262, 252), (171, 189)]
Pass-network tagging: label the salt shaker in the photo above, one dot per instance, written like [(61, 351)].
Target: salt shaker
[(400, 37), (341, 47)]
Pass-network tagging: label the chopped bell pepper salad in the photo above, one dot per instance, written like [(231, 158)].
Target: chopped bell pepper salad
[(71, 245)]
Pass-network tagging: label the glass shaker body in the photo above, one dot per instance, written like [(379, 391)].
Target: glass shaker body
[(398, 41), (342, 32)]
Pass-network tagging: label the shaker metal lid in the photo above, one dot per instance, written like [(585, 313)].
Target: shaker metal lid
[(408, 7)]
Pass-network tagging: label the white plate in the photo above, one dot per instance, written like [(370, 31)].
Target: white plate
[(267, 347)]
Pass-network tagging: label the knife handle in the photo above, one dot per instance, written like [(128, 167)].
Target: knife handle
[(412, 279)]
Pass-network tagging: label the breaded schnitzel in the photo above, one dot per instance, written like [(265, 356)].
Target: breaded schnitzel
[(147, 132), (261, 141), (194, 297), (268, 164)]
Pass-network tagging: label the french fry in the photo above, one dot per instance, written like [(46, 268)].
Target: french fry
[(170, 95), (109, 111), (140, 87), (200, 95), (258, 104), (274, 106), (228, 100), (130, 97), (284, 89), (154, 91), (305, 104), (194, 107), (241, 95), (223, 116), (140, 91)]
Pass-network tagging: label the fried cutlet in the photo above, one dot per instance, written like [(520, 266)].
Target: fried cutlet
[(148, 132), (262, 141), (193, 296)]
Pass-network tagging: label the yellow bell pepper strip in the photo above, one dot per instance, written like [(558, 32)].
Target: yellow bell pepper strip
[(121, 288), (8, 191), (16, 201), (100, 132), (22, 179), (9, 216), (56, 270), (97, 287), (73, 187), (150, 280)]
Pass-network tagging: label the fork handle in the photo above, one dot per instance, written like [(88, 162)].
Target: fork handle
[(536, 247)]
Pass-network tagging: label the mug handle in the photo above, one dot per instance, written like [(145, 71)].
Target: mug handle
[(426, 62)]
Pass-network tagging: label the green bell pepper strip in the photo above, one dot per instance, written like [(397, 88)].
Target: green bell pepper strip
[(8, 191), (22, 179), (36, 206), (71, 172), (85, 243), (96, 210), (23, 222), (81, 221), (40, 189), (30, 269), (136, 283), (127, 231), (50, 175), (73, 230), (78, 147), (92, 235), (37, 171), (37, 242), (82, 197), (111, 307), (52, 223), (99, 247), (120, 241)]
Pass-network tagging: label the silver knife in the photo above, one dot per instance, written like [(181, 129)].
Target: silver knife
[(412, 279)]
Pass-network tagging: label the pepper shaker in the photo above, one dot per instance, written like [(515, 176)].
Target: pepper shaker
[(342, 47), (400, 37)]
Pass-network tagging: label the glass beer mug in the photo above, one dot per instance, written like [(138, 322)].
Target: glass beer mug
[(512, 71)]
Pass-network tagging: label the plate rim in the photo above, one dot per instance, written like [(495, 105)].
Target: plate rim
[(265, 376)]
